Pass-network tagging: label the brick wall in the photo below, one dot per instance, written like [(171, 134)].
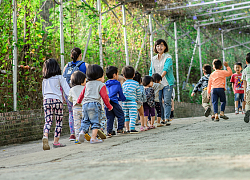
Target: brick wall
[(23, 126), (182, 110)]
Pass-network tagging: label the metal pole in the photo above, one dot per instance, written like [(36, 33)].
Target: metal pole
[(191, 63), (223, 52), (86, 47), (151, 41), (177, 63), (14, 64), (99, 8), (125, 34), (61, 35), (199, 45)]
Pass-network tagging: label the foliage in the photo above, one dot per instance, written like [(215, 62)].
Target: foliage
[(39, 39)]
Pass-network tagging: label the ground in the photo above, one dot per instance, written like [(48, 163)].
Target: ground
[(191, 148)]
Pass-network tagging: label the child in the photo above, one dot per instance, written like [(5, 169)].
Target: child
[(78, 81), (141, 101), (115, 95), (203, 82), (132, 92), (90, 97), (216, 86), (149, 105), (237, 86), (172, 105), (157, 87), (246, 85), (52, 100)]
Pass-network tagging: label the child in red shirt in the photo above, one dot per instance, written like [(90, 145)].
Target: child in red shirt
[(237, 86)]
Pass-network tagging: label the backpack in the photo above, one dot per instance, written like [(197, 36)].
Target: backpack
[(70, 69)]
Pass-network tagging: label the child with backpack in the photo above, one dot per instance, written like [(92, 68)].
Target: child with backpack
[(52, 100), (75, 65)]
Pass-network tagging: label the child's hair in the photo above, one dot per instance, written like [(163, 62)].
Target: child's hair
[(75, 53), (239, 64), (77, 78), (128, 72), (217, 64), (207, 69), (146, 80), (51, 68), (158, 42), (94, 72), (248, 57), (110, 71), (137, 77), (156, 77)]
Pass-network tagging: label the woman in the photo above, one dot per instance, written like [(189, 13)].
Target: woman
[(163, 65), (76, 56)]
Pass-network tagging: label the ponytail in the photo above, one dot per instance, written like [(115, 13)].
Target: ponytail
[(75, 53)]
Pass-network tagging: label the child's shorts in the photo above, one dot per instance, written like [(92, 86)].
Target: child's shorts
[(148, 111), (238, 97)]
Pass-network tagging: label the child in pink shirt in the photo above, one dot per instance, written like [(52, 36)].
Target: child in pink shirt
[(216, 86)]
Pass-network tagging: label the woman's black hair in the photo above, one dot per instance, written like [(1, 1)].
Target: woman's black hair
[(137, 77), (51, 68), (128, 72), (77, 78), (156, 77), (217, 64), (94, 72), (75, 53), (248, 58), (207, 68), (110, 71), (158, 42), (146, 80)]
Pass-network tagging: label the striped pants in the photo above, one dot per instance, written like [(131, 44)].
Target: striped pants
[(130, 112)]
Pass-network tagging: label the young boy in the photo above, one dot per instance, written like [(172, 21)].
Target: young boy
[(203, 82), (246, 85), (115, 95), (216, 86), (132, 92), (237, 86)]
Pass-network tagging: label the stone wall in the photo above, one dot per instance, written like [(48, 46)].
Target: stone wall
[(23, 126)]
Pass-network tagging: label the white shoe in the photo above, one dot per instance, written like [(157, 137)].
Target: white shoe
[(81, 137)]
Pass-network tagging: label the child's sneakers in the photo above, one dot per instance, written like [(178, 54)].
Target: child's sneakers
[(45, 143), (142, 128), (133, 131), (81, 137), (87, 137), (95, 141), (58, 145), (72, 137), (101, 134), (246, 118), (168, 122), (236, 111), (159, 125), (77, 142), (207, 112)]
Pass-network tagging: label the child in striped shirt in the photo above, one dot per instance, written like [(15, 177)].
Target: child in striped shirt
[(132, 92)]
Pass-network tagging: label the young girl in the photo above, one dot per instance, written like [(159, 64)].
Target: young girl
[(90, 97), (141, 101), (52, 100), (157, 87), (78, 81), (149, 105)]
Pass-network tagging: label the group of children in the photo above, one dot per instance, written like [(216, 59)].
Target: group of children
[(123, 96), (213, 88)]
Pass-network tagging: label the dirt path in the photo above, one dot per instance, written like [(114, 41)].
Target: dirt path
[(191, 148)]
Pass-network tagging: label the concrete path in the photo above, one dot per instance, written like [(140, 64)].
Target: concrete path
[(191, 148)]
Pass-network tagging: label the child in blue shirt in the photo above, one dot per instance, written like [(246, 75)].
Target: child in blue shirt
[(115, 95), (132, 92)]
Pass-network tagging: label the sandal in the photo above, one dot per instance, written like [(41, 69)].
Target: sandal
[(101, 134), (142, 129), (94, 141), (152, 127), (58, 145), (224, 116), (212, 117)]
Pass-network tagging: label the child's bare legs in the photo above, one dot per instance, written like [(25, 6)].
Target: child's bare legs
[(127, 125), (243, 105), (146, 121), (158, 120), (152, 120), (141, 113), (94, 133)]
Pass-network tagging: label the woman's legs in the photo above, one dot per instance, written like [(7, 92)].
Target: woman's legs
[(167, 93), (161, 105)]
